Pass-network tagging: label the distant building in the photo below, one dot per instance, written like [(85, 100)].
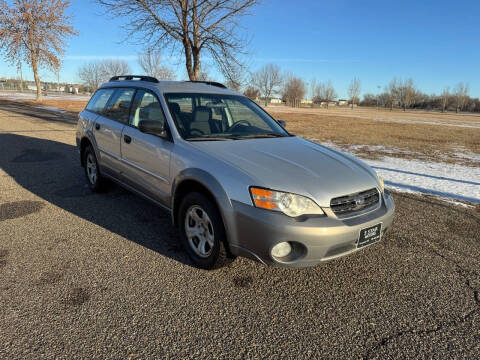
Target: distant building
[(330, 104), (275, 101), (342, 102), (306, 101)]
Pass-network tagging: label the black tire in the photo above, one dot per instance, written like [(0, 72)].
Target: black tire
[(217, 256), (97, 183)]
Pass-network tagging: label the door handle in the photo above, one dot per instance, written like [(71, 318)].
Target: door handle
[(97, 126), (127, 139)]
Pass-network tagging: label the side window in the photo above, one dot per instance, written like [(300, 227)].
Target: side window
[(146, 107), (99, 100), (119, 105)]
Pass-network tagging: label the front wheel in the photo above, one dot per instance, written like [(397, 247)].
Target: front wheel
[(202, 231)]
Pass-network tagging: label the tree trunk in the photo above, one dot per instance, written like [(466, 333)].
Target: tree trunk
[(188, 63), (196, 63), (37, 80)]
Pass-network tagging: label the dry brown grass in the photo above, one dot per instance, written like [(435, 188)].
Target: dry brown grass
[(68, 105), (412, 133)]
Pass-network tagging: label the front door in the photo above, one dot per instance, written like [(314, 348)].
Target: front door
[(146, 157)]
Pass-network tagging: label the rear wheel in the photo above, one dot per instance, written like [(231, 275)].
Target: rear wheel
[(92, 172), (202, 231)]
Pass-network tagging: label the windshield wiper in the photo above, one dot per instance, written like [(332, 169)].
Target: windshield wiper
[(213, 138), (262, 135)]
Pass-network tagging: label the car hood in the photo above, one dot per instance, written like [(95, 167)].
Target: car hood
[(293, 164)]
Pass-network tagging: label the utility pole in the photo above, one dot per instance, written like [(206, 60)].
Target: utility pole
[(21, 76), (378, 89), (58, 80)]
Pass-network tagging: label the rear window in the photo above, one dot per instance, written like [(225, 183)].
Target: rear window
[(99, 100)]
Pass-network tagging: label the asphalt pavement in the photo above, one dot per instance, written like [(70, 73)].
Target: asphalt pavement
[(87, 276)]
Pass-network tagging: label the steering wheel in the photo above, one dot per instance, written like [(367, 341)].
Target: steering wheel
[(198, 131), (240, 122)]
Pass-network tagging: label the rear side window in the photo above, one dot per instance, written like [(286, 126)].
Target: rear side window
[(99, 100), (118, 107)]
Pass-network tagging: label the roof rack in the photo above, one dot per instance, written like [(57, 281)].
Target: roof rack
[(134, 77), (212, 83)]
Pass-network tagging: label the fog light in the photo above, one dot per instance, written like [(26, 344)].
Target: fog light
[(282, 249)]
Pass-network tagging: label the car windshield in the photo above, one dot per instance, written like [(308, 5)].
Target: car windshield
[(201, 117)]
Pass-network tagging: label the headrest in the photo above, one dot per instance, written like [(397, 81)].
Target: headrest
[(124, 104), (174, 107), (202, 114)]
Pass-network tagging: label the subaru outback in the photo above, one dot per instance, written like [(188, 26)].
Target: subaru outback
[(235, 181)]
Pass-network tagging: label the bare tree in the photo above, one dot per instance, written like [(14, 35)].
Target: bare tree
[(406, 93), (383, 99), (444, 98), (354, 90), (91, 75), (313, 88), (461, 96), (237, 80), (192, 25), (234, 85), (252, 93), (325, 92), (114, 67), (95, 73), (294, 90), (203, 76), (268, 80), (151, 64), (35, 31), (392, 91)]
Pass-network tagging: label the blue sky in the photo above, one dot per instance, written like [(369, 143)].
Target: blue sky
[(437, 43)]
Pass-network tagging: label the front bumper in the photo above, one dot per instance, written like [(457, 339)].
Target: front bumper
[(314, 240)]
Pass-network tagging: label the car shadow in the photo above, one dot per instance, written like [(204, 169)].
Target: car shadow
[(51, 170)]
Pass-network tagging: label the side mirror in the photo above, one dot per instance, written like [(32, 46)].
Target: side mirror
[(282, 122), (152, 127)]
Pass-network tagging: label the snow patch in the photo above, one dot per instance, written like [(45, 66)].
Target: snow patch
[(50, 108), (447, 181)]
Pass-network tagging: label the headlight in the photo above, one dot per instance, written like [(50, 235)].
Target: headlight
[(382, 185), (290, 204)]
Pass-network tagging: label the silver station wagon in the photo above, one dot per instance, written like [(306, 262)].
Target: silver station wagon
[(235, 181)]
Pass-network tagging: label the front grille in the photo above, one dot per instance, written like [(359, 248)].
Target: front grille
[(352, 203)]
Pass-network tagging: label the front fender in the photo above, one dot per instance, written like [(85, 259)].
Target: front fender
[(217, 191)]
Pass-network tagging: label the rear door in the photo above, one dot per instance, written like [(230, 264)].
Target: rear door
[(146, 157), (109, 126)]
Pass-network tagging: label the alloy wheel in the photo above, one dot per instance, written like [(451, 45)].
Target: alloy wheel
[(199, 231)]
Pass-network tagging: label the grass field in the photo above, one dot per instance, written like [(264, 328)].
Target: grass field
[(451, 138)]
